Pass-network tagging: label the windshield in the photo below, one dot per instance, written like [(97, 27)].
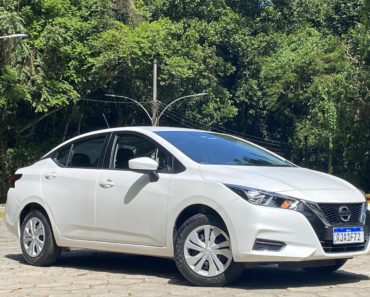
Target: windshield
[(218, 149)]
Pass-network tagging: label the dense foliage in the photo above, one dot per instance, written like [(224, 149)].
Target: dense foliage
[(291, 75)]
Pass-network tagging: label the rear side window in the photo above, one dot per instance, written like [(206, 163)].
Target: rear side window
[(61, 157), (81, 154)]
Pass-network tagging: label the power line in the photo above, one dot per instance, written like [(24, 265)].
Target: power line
[(263, 141), (191, 124), (188, 124), (180, 117), (275, 142), (249, 135), (258, 140), (108, 101), (184, 122)]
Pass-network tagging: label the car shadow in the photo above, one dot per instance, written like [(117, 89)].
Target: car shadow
[(136, 188), (261, 277), (272, 277)]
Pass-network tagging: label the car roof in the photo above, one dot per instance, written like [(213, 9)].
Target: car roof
[(138, 129), (132, 128), (146, 128)]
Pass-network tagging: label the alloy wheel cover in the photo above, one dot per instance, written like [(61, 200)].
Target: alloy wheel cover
[(33, 237), (207, 251)]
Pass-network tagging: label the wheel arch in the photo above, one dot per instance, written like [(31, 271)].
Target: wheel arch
[(195, 208), (37, 204), (192, 210), (27, 208)]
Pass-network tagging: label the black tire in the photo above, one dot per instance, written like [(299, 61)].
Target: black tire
[(50, 252), (233, 271), (327, 269)]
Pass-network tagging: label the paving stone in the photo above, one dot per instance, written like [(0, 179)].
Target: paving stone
[(89, 273)]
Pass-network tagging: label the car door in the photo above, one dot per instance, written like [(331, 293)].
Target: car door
[(129, 207), (68, 185)]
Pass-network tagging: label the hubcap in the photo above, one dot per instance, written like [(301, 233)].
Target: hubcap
[(33, 237), (207, 251)]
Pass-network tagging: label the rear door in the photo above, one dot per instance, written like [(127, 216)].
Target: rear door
[(68, 185)]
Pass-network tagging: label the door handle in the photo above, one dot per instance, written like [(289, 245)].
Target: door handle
[(51, 175), (106, 184)]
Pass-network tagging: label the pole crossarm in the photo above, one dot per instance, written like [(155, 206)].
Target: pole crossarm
[(133, 100), (14, 36), (178, 99)]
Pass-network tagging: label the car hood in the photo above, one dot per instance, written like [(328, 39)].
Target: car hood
[(293, 181)]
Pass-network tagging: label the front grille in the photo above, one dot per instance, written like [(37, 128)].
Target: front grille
[(325, 233), (331, 212)]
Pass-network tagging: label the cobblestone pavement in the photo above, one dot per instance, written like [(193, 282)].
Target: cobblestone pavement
[(86, 273)]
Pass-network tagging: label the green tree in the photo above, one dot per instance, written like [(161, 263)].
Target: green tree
[(291, 75)]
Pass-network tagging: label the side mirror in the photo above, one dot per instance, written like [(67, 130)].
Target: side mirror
[(145, 165)]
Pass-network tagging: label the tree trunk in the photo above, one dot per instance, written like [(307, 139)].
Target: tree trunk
[(79, 124), (66, 129)]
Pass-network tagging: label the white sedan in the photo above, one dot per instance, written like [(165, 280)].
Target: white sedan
[(211, 201)]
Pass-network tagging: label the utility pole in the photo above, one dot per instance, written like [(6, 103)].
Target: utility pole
[(155, 101), (155, 117)]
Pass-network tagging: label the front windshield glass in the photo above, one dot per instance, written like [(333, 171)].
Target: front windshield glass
[(220, 149)]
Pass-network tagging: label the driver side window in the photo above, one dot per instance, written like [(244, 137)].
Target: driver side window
[(129, 146)]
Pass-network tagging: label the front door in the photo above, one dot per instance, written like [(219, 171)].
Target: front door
[(129, 207)]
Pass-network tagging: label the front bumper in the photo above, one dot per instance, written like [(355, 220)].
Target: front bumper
[(304, 241)]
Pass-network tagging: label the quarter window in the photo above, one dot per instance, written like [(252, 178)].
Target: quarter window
[(62, 155), (81, 154)]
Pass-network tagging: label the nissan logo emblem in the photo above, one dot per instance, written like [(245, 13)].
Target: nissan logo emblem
[(345, 213)]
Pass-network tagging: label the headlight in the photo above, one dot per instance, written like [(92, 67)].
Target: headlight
[(259, 197)]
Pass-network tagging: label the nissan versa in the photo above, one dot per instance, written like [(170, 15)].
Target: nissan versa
[(211, 201)]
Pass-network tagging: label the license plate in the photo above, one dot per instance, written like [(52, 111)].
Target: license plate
[(345, 235)]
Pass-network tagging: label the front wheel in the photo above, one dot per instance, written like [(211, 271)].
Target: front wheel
[(327, 269), (203, 252), (37, 240)]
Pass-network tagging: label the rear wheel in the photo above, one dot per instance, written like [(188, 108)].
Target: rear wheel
[(37, 240), (327, 269), (203, 252)]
